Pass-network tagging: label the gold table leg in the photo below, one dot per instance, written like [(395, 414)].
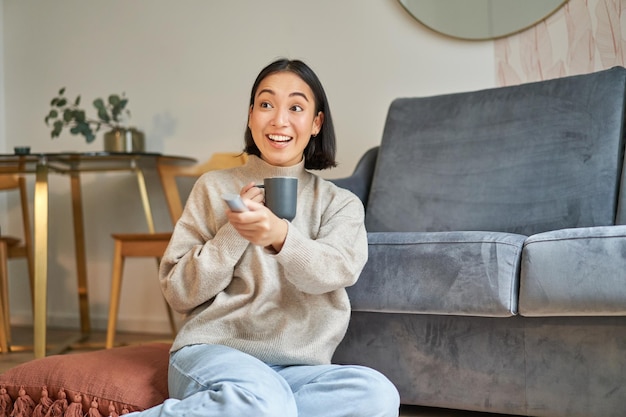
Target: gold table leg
[(41, 259), (5, 325), (145, 201)]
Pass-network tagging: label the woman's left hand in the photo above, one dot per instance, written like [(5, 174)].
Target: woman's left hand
[(252, 192)]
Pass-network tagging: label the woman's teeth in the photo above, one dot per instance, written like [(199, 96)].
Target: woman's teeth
[(279, 138)]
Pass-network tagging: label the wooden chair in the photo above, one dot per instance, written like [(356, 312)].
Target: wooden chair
[(154, 244), (12, 248)]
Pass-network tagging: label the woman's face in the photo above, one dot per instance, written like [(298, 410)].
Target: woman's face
[(283, 118)]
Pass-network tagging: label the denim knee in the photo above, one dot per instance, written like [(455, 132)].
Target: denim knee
[(341, 390), (379, 397), (213, 380)]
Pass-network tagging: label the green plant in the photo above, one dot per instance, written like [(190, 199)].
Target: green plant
[(64, 113)]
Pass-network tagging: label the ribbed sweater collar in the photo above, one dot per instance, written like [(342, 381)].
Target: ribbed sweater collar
[(262, 169)]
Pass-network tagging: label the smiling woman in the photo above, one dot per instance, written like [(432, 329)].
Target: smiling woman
[(283, 118), (480, 19), (264, 289), (307, 98)]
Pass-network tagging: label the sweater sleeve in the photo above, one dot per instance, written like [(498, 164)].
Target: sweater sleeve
[(202, 253), (335, 257)]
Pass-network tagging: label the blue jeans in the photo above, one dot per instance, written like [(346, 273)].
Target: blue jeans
[(218, 381)]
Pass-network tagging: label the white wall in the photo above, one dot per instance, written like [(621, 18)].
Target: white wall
[(3, 212), (187, 67)]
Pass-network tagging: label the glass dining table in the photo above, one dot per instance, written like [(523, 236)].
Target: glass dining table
[(73, 164)]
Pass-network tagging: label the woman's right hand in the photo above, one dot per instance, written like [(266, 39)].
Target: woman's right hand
[(259, 225)]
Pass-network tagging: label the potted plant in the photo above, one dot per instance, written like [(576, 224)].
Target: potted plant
[(119, 138)]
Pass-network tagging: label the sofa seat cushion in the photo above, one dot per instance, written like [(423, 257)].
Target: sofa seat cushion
[(451, 273), (100, 383), (574, 272)]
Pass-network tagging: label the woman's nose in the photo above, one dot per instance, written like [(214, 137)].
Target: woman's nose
[(281, 118)]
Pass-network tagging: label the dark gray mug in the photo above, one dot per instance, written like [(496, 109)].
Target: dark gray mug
[(281, 196)]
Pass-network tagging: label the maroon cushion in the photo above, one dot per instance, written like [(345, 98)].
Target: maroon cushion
[(113, 381)]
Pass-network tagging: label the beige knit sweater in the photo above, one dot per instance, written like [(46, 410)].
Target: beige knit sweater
[(284, 308)]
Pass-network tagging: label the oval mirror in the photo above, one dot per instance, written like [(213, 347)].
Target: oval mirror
[(480, 19)]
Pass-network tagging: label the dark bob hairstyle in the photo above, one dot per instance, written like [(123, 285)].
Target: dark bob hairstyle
[(320, 152)]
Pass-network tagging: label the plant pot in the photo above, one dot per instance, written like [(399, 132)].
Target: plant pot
[(124, 140)]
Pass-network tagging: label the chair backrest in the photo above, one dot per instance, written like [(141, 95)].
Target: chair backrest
[(17, 248), (172, 174), (13, 182)]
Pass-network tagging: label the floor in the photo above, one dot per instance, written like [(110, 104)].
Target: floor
[(23, 336)]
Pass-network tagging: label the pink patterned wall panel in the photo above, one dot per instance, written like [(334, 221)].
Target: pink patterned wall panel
[(582, 37)]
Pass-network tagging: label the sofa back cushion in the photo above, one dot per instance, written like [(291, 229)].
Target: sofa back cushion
[(522, 159)]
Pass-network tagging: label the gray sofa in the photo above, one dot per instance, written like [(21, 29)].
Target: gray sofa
[(496, 278)]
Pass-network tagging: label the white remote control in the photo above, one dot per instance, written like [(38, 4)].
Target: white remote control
[(235, 203)]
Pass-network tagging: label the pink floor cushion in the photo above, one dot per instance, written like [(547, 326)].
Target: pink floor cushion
[(93, 384)]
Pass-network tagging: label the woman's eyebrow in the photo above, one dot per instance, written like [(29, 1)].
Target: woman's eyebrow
[(295, 93), (266, 90)]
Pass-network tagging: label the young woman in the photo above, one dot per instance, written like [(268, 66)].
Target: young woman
[(265, 298)]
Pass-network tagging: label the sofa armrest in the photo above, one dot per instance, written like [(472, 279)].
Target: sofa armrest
[(449, 273), (361, 179), (574, 272)]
